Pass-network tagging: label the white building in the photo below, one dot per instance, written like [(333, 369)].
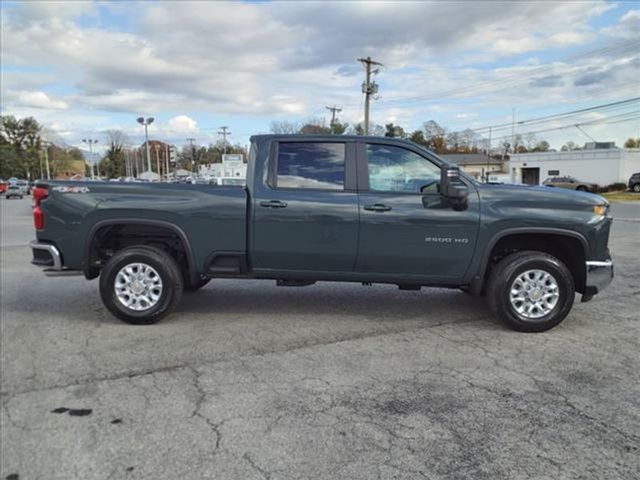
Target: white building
[(232, 170), (603, 167), (150, 176)]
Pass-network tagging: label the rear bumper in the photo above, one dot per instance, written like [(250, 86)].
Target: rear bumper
[(46, 255), (599, 276)]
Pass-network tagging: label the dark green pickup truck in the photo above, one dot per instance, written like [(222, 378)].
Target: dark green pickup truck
[(332, 208)]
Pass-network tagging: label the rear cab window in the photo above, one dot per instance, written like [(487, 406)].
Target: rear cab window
[(310, 165)]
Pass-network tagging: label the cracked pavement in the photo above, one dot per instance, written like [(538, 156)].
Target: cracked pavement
[(248, 380)]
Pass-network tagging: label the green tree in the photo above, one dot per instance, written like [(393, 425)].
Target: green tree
[(542, 146), (396, 131), (338, 128), (20, 145), (418, 137), (113, 164), (632, 143)]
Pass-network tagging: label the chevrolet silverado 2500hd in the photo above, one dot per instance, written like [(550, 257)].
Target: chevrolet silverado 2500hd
[(332, 208)]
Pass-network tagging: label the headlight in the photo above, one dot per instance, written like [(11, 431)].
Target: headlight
[(601, 210)]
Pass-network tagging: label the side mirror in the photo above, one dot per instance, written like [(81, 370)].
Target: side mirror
[(453, 188)]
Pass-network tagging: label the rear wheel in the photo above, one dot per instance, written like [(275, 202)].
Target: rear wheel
[(530, 291), (141, 285), (582, 188)]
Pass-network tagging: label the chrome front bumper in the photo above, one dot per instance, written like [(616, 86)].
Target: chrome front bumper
[(599, 275), (46, 255)]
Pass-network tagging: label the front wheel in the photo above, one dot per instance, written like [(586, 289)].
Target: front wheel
[(141, 285), (582, 189), (530, 291), (636, 188)]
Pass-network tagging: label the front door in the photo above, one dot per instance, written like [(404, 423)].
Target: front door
[(406, 227), (531, 176), (306, 217)]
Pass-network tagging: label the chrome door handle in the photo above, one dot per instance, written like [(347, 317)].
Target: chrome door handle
[(377, 207), (273, 204)]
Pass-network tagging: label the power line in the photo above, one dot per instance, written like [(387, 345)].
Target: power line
[(556, 116), (620, 118)]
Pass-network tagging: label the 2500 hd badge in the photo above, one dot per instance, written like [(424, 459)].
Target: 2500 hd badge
[(446, 240)]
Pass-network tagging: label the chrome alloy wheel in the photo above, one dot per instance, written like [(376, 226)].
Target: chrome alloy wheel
[(138, 286), (534, 294)]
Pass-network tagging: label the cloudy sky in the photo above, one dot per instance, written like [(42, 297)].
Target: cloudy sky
[(82, 68)]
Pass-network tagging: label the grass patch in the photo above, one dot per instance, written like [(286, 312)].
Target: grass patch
[(621, 196)]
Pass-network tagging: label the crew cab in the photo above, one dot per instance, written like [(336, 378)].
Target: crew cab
[(330, 208)]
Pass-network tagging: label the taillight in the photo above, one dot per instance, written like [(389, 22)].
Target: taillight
[(39, 194)]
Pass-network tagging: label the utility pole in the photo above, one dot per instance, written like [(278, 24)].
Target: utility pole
[(166, 161), (191, 140), (333, 111), (158, 160), (488, 154), (369, 88), (223, 131), (513, 130)]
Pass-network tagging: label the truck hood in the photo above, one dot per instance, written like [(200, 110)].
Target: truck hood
[(547, 195)]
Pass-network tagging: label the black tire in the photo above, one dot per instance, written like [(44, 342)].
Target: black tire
[(167, 270), (192, 287), (582, 189), (636, 188), (503, 277)]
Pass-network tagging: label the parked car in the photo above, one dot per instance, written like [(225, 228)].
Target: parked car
[(14, 190), (570, 183), (25, 186), (3, 186), (330, 208), (634, 182)]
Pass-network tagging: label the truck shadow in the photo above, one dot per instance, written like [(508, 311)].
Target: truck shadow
[(334, 300)]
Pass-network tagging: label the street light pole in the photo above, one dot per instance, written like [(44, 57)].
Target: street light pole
[(146, 122), (91, 142), (46, 159)]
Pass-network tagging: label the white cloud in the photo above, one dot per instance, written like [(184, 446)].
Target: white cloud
[(182, 124), (37, 99)]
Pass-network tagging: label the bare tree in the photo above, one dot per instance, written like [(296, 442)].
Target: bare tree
[(117, 139), (284, 127)]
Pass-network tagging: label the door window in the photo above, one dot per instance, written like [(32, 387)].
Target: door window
[(396, 169), (313, 165)]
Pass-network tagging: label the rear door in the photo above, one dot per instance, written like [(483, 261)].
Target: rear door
[(306, 211), (406, 227)]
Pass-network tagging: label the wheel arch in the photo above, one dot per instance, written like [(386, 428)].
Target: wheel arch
[(526, 238), (92, 272)]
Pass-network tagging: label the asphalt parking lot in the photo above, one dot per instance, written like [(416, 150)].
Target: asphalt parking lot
[(252, 381)]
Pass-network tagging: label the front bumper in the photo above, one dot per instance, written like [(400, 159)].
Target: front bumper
[(599, 276)]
